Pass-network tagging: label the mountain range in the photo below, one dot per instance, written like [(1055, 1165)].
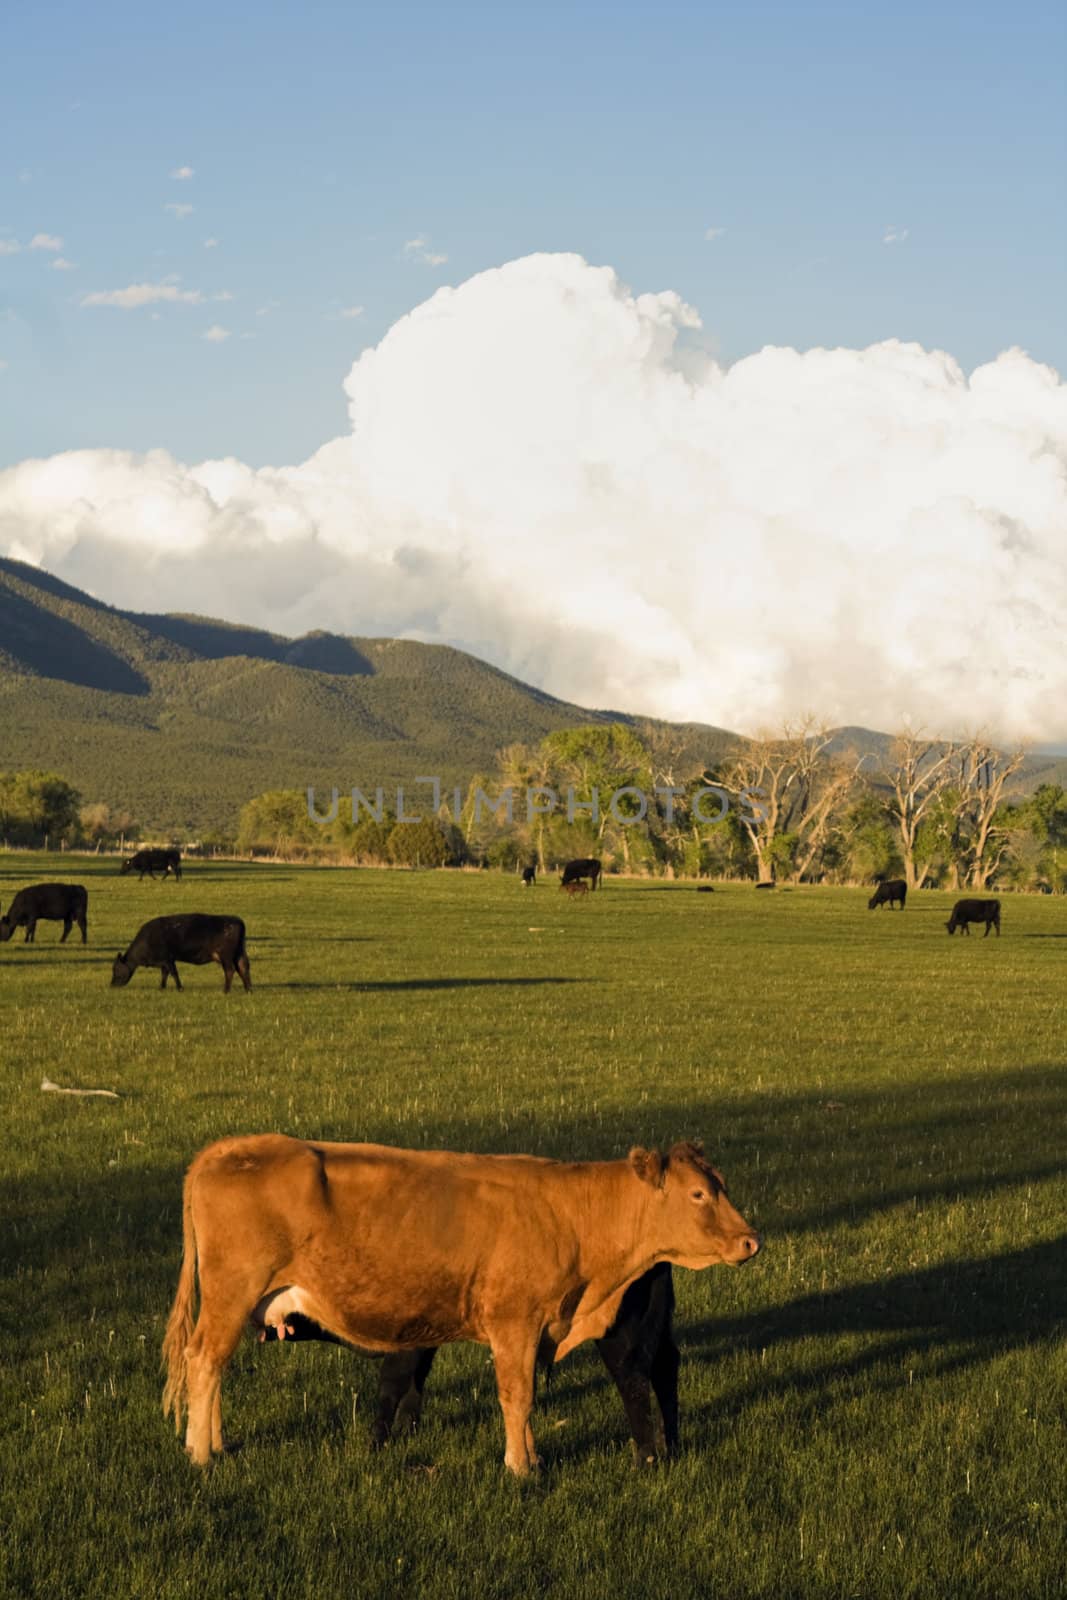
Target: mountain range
[(182, 719)]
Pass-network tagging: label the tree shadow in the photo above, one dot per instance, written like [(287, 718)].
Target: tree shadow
[(387, 986)]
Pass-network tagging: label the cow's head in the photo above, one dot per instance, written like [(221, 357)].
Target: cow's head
[(121, 972), (694, 1222), (7, 928), (875, 900), (127, 866)]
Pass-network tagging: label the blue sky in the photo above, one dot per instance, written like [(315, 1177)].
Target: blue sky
[(323, 139)]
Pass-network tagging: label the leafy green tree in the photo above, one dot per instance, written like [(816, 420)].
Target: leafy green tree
[(869, 849), (418, 844), (369, 840), (278, 821), (37, 806)]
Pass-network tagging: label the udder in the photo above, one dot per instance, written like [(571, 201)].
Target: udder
[(275, 1308)]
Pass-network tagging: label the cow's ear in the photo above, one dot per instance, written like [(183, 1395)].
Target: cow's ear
[(648, 1165)]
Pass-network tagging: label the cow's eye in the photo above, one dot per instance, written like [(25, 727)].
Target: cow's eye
[(698, 1195)]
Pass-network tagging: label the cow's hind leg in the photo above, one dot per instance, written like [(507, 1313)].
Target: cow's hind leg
[(245, 972), (225, 1306), (31, 929), (515, 1357)]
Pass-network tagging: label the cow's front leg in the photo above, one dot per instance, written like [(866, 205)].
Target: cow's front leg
[(31, 929), (67, 925), (515, 1356)]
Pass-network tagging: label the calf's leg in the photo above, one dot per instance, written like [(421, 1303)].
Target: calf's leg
[(631, 1379), (665, 1382), (400, 1385)]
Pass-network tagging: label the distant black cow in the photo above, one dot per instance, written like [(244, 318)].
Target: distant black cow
[(529, 877), (964, 912), (67, 903), (153, 861), (191, 937), (768, 883), (638, 1350), (888, 893), (576, 870), (705, 888)]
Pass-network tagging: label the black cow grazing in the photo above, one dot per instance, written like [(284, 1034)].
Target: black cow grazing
[(638, 1350), (888, 893), (67, 903), (767, 884), (574, 871), (964, 912), (153, 861), (529, 877), (705, 888), (191, 937)]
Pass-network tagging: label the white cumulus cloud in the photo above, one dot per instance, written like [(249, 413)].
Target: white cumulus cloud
[(183, 174), (46, 241), (543, 469), (61, 264), (216, 334), (895, 235)]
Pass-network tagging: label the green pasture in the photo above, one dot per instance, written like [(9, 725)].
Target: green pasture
[(875, 1407)]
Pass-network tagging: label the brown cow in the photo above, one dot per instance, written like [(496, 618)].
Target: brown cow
[(396, 1249), (573, 889)]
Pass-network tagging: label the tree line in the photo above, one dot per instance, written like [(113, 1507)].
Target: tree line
[(793, 806)]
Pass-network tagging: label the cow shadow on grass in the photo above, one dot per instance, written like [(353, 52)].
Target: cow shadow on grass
[(917, 1326)]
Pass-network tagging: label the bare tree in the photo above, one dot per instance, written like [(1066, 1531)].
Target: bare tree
[(980, 780), (789, 791), (919, 771)]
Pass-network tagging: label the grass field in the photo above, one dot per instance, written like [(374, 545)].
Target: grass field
[(875, 1407)]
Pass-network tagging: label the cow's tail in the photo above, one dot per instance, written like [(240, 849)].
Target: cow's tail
[(180, 1322)]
